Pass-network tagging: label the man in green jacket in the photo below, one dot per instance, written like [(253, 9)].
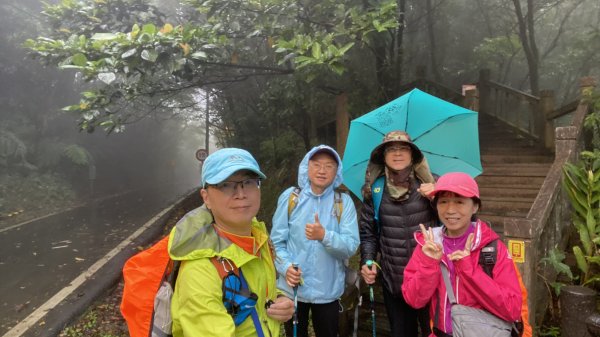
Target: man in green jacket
[(226, 227)]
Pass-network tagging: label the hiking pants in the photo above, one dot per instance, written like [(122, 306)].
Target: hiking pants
[(405, 321), (325, 317)]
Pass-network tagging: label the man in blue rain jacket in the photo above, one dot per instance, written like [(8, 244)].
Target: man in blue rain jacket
[(314, 232)]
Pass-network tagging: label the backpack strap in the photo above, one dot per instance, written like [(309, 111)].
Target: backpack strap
[(254, 313), (226, 268), (293, 200), (338, 205), (488, 257), (377, 193), (447, 283)]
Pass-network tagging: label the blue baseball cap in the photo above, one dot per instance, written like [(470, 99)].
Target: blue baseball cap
[(221, 164)]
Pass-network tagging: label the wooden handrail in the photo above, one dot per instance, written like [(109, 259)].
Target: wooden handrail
[(514, 92), (421, 83), (564, 110), (540, 209)]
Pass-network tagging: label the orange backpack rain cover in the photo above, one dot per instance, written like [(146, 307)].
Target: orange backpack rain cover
[(143, 274)]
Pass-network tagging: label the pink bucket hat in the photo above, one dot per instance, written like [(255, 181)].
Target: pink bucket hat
[(459, 183)]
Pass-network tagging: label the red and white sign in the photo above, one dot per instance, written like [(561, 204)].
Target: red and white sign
[(201, 154)]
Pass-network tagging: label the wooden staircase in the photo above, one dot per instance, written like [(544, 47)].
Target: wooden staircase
[(514, 169)]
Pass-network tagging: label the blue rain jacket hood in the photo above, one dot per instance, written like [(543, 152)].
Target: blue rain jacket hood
[(321, 262)]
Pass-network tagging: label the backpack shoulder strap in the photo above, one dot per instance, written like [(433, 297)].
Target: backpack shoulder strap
[(293, 200), (338, 202), (488, 257), (338, 205), (237, 296), (224, 266), (377, 193)]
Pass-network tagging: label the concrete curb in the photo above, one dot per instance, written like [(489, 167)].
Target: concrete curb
[(54, 320)]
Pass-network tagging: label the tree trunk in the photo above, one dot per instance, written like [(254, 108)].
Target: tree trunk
[(527, 38), (398, 59), (432, 43)]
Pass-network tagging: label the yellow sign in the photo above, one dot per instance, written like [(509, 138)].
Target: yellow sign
[(517, 250)]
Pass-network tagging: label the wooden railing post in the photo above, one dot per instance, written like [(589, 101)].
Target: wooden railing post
[(484, 91), (587, 85), (544, 126), (471, 100), (342, 122)]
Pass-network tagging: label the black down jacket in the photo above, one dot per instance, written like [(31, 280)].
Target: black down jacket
[(399, 220)]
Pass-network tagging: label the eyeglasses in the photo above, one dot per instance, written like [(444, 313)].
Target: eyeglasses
[(318, 166), (397, 148), (230, 187)]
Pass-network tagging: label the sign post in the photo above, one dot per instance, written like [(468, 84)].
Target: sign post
[(201, 155)]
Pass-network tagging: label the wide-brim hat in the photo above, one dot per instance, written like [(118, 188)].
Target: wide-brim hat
[(377, 155)]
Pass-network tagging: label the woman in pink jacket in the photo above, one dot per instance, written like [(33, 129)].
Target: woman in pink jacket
[(458, 244)]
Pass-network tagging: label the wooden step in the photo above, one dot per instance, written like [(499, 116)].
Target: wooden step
[(534, 169), (517, 191), (506, 207), (493, 158), (530, 181)]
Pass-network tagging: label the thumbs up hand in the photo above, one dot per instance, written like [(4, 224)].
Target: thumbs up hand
[(314, 231)]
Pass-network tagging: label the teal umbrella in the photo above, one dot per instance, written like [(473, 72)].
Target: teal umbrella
[(446, 133)]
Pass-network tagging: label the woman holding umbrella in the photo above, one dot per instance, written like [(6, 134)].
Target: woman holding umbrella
[(395, 201)]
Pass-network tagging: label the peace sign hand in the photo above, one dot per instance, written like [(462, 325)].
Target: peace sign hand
[(459, 254), (431, 248)]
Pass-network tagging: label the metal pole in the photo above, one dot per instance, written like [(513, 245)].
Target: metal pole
[(206, 122)]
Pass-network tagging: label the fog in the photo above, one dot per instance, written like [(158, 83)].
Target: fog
[(48, 164)]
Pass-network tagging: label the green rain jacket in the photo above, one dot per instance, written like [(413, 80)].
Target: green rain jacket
[(197, 305)]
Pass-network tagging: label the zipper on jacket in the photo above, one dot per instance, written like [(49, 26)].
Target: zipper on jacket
[(268, 329)]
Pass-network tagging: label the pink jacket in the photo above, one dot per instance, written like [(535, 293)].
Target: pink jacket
[(423, 282)]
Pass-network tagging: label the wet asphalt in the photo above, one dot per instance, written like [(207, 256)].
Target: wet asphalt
[(41, 257)]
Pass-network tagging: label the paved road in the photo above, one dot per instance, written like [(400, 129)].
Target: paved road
[(40, 258)]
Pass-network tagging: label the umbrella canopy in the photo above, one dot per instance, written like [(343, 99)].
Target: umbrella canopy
[(446, 133)]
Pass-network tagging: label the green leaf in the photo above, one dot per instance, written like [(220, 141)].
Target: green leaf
[(337, 68), (592, 280), (149, 29), (593, 259), (555, 258), (74, 107), (79, 60), (316, 51), (89, 94), (77, 154), (378, 26), (104, 36), (107, 78), (149, 55), (129, 53), (591, 223), (581, 262), (557, 286), (69, 66), (345, 48), (199, 55)]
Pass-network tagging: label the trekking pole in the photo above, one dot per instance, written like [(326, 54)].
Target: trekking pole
[(372, 297), (295, 319)]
